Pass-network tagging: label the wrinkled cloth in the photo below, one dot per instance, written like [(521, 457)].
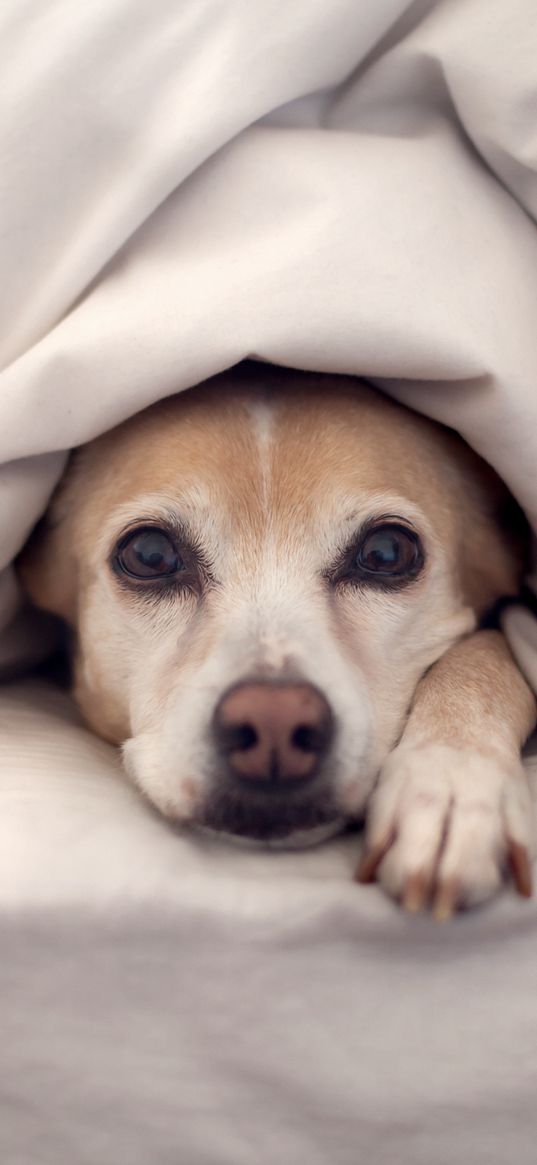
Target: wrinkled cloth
[(168, 999), (347, 187)]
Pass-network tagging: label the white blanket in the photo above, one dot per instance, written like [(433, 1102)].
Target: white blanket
[(165, 1000), (345, 186)]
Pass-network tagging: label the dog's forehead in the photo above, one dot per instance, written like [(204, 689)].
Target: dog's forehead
[(250, 450)]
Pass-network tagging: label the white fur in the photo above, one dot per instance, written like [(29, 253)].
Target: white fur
[(274, 617), (269, 499), (261, 414), (452, 812)]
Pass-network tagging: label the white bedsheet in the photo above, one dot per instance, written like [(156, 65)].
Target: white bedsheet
[(165, 999), (346, 186)]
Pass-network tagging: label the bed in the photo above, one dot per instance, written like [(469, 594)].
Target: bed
[(347, 187)]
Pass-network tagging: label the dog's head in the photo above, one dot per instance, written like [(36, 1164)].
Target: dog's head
[(258, 573)]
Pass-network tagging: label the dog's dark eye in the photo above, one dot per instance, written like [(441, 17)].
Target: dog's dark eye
[(389, 551), (148, 553), (387, 555)]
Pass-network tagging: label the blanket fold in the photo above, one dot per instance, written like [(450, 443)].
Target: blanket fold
[(345, 187)]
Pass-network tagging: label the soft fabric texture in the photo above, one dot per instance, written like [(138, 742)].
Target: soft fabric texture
[(166, 999), (346, 186)]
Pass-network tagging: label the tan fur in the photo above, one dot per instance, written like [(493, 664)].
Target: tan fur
[(275, 466), (474, 696), (329, 429)]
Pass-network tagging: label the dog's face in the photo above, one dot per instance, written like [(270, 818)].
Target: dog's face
[(259, 572)]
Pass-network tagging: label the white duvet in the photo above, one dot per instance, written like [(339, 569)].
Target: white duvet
[(342, 185)]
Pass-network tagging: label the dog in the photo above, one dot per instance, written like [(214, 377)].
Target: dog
[(277, 583)]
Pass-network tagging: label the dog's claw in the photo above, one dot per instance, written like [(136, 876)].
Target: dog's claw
[(520, 866), (366, 871), (446, 900), (371, 858), (416, 893)]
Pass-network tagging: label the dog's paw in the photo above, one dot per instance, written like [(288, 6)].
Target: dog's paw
[(446, 826)]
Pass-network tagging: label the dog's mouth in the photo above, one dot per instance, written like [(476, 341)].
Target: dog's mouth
[(279, 819)]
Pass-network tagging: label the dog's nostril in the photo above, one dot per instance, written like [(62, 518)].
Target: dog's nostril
[(308, 738), (237, 737)]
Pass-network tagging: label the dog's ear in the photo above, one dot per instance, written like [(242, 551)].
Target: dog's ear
[(46, 566), (496, 550)]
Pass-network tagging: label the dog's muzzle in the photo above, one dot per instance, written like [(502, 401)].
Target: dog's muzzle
[(273, 742)]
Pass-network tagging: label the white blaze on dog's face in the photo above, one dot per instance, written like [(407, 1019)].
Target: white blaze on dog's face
[(297, 540)]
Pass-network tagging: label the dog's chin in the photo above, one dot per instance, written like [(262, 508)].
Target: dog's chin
[(277, 825)]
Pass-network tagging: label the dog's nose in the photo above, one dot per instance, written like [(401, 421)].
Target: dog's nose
[(271, 732)]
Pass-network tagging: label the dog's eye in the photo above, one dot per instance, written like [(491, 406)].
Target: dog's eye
[(389, 551), (148, 553), (387, 555)]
